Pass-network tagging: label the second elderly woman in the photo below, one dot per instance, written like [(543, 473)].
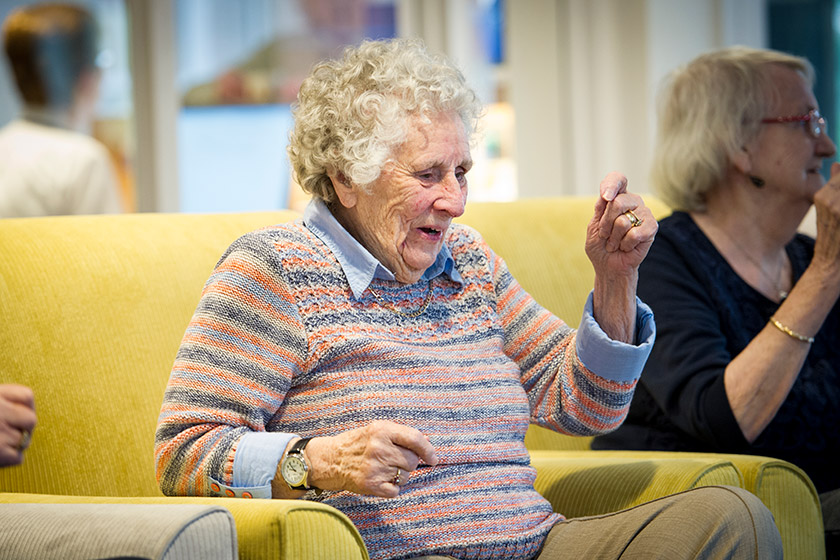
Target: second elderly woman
[(746, 359), (381, 359)]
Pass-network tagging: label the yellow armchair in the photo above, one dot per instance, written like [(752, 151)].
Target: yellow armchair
[(93, 309)]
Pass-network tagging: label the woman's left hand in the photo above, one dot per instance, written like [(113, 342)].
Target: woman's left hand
[(621, 230), (617, 240)]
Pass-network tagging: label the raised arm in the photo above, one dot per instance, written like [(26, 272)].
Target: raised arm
[(759, 379), (618, 237)]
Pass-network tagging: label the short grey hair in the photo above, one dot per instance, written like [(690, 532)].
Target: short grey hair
[(352, 112), (709, 109)]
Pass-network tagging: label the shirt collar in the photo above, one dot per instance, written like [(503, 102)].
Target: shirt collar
[(47, 116), (359, 265)]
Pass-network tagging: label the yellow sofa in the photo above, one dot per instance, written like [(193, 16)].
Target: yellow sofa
[(92, 310)]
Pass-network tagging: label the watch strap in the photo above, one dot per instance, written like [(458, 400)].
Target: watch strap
[(299, 446), (297, 449)]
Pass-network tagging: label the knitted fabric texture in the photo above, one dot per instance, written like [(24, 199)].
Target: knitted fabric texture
[(279, 343)]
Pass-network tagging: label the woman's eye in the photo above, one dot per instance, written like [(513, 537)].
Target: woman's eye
[(461, 175)]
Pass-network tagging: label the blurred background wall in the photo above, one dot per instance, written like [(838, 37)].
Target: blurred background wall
[(195, 98)]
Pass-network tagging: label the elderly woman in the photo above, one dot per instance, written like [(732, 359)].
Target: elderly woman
[(746, 359), (381, 359)]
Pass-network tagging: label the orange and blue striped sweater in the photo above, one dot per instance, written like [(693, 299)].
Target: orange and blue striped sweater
[(279, 345)]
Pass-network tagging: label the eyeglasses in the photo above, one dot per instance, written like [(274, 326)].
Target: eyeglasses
[(817, 124)]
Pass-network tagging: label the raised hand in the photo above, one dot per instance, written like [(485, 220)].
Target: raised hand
[(618, 238), (621, 231), (827, 203)]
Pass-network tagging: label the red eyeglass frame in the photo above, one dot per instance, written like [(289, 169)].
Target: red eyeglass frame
[(818, 127)]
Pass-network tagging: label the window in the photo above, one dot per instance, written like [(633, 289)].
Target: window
[(239, 68)]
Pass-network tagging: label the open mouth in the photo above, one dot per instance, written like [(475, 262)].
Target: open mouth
[(431, 232)]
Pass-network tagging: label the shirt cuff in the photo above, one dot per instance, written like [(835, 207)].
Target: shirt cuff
[(611, 359), (254, 465)]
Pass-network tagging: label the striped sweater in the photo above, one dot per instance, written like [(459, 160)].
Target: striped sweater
[(278, 343)]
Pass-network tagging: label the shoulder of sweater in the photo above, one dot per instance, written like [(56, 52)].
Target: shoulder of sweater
[(462, 235), (678, 243), (292, 232), (675, 231), (675, 222), (457, 230), (269, 242)]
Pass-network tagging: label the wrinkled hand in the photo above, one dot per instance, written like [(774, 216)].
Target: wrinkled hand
[(17, 420), (613, 245), (365, 460), (827, 203)]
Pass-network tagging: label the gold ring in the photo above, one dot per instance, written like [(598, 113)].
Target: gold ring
[(25, 438), (396, 480), (635, 221)]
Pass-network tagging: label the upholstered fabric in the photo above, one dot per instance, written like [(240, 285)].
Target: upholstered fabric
[(93, 309), (543, 438), (789, 494), (83, 531), (265, 529), (571, 479)]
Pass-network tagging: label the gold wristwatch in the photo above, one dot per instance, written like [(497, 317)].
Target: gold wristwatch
[(294, 468)]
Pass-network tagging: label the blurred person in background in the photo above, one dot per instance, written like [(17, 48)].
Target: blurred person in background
[(49, 164)]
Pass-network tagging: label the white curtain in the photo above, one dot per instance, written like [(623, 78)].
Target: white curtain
[(584, 77)]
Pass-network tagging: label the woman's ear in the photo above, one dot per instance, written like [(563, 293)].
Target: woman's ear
[(344, 190), (742, 161)]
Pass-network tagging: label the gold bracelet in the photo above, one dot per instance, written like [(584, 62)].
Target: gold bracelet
[(791, 333)]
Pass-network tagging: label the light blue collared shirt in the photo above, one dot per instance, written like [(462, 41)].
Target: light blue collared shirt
[(258, 453)]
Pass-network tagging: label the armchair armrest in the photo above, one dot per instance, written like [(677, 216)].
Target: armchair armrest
[(581, 483), (265, 529), (167, 532), (790, 495)]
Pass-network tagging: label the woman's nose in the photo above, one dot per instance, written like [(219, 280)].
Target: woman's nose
[(454, 196), (825, 146)]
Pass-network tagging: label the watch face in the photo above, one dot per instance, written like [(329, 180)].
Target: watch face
[(293, 470)]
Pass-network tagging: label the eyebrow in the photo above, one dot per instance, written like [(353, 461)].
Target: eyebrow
[(468, 163)]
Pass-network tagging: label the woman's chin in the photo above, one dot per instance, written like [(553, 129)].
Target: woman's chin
[(411, 274)]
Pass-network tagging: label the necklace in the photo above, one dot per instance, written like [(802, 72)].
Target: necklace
[(390, 307), (773, 282)]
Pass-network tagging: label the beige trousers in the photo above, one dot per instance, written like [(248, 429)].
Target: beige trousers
[(710, 522)]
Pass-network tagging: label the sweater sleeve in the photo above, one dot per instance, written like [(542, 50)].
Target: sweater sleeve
[(240, 352), (564, 394)]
